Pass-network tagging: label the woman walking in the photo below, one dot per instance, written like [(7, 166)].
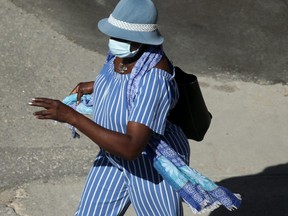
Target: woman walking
[(132, 97)]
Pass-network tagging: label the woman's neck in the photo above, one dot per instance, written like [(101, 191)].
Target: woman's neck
[(125, 65)]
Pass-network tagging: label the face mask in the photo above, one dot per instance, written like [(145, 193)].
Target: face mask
[(121, 49)]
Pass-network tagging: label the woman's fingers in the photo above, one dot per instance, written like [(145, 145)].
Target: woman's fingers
[(79, 95), (78, 90), (42, 102), (43, 114), (48, 116), (54, 109), (83, 88), (75, 90)]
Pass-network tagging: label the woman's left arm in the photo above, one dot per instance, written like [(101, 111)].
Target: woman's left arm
[(127, 146)]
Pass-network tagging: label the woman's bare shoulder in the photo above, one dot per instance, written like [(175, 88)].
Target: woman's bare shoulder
[(163, 64)]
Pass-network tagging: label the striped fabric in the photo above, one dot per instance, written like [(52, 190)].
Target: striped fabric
[(113, 183), (111, 188), (150, 107)]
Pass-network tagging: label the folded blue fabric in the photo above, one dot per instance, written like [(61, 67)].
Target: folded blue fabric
[(85, 107), (198, 191)]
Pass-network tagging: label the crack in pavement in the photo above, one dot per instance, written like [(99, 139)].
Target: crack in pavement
[(7, 210)]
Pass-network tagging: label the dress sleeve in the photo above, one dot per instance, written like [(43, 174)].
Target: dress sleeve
[(152, 101)]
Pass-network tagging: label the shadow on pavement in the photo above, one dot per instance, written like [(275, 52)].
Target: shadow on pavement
[(263, 194)]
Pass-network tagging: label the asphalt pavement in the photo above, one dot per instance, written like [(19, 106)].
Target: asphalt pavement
[(242, 39), (43, 169)]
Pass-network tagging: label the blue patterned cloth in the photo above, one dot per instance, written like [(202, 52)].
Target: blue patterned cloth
[(199, 192), (85, 107)]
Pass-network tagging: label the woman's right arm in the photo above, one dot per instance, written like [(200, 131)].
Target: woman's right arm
[(83, 88), (127, 146)]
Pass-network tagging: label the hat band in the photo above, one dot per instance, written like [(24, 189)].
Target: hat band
[(132, 26)]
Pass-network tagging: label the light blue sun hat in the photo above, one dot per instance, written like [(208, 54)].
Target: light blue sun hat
[(133, 20)]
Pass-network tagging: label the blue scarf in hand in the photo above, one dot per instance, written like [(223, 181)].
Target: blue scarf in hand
[(85, 107), (199, 192)]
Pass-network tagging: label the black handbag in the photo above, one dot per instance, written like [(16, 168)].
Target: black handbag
[(190, 112)]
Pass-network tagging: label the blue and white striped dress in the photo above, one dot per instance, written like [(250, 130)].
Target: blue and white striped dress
[(114, 183)]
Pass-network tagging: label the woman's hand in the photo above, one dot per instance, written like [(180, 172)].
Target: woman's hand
[(54, 109), (83, 88)]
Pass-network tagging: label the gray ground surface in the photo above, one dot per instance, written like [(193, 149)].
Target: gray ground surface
[(243, 39), (43, 170)]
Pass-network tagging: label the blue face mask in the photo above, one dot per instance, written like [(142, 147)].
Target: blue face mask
[(121, 49)]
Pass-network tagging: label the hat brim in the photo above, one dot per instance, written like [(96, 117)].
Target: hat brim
[(152, 38)]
